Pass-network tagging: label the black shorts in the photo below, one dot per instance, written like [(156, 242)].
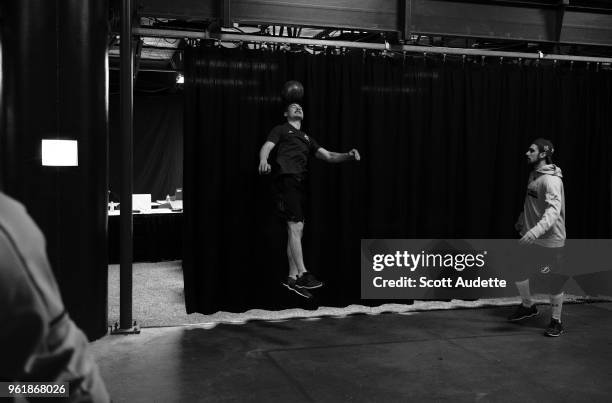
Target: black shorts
[(547, 260), (289, 197), (539, 260), (544, 266)]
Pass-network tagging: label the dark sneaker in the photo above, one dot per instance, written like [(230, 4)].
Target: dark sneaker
[(291, 284), (308, 281), (554, 329), (523, 312)]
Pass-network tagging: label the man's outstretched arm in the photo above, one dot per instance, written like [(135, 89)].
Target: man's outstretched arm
[(264, 153), (330, 156)]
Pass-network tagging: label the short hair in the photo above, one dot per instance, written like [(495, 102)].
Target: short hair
[(545, 146)]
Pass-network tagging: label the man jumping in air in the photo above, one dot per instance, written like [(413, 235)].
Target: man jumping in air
[(293, 148), (542, 227)]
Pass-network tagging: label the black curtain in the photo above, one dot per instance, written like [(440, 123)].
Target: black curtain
[(442, 142), (54, 86), (158, 144)]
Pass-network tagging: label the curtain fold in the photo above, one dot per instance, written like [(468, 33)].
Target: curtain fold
[(442, 143), (158, 145)]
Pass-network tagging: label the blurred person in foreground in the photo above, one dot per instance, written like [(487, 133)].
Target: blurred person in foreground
[(38, 341)]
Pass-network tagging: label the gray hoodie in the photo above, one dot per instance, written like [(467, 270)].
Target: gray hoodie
[(38, 340), (544, 208)]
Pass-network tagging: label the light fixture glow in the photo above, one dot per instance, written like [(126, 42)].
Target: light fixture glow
[(60, 153), (180, 79)]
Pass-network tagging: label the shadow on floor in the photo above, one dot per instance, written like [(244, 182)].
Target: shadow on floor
[(453, 355)]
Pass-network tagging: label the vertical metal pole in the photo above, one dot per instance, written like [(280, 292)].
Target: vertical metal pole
[(227, 16), (126, 116)]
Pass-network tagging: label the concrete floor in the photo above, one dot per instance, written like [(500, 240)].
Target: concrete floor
[(457, 355)]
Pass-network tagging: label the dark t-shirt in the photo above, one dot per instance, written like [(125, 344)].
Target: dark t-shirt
[(293, 147)]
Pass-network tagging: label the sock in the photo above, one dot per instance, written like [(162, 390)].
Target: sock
[(294, 276), (523, 289), (556, 303)]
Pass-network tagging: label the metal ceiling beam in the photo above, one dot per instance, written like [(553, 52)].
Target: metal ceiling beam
[(373, 15), (448, 18), (188, 10), (586, 28), (508, 20)]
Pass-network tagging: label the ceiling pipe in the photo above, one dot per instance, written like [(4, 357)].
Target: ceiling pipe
[(229, 37)]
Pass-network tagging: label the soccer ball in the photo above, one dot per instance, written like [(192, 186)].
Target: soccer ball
[(293, 91)]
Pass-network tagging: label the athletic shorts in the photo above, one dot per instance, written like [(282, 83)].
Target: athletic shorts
[(544, 269), (289, 197), (540, 260)]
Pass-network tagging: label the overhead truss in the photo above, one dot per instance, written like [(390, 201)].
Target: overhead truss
[(579, 22)]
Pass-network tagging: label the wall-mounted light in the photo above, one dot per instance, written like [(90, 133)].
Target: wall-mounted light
[(180, 79), (60, 153)]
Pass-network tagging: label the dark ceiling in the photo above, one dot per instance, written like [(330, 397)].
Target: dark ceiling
[(562, 27)]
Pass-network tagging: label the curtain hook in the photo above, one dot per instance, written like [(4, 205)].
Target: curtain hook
[(444, 58), (501, 60)]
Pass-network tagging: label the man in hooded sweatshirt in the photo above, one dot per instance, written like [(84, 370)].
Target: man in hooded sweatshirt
[(542, 227), (39, 342)]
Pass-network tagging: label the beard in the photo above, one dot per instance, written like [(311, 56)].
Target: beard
[(535, 163)]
